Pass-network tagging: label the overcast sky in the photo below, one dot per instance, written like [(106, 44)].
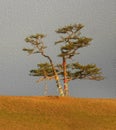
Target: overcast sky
[(20, 18)]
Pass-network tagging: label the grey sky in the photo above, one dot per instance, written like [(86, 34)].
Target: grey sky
[(20, 18)]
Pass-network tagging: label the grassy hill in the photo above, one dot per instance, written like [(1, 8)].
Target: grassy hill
[(56, 113)]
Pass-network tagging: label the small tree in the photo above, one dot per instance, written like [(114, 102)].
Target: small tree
[(72, 41)]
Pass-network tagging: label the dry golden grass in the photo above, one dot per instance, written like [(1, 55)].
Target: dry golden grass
[(56, 113)]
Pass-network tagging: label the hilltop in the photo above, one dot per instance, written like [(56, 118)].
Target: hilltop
[(56, 113)]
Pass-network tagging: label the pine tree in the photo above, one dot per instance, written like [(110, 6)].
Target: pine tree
[(37, 46), (72, 40)]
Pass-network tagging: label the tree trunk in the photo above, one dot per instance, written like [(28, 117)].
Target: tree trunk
[(56, 75), (66, 91)]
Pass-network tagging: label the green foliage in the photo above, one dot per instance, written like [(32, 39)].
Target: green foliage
[(72, 40), (31, 38), (90, 71), (30, 51), (36, 43), (44, 69), (78, 71), (70, 28)]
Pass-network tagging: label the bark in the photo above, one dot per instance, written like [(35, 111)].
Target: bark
[(66, 90)]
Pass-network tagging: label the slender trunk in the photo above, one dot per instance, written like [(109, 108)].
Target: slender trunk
[(66, 91), (56, 75)]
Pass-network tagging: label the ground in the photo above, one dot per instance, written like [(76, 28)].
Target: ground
[(56, 113)]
